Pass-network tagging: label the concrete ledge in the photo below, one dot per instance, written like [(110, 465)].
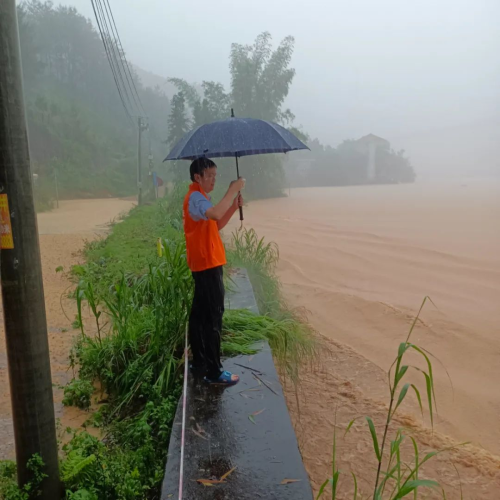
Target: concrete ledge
[(246, 427)]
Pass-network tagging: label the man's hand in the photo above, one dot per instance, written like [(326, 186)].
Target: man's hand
[(237, 186), (221, 209), (238, 202)]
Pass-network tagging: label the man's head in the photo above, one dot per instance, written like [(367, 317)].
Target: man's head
[(203, 171)]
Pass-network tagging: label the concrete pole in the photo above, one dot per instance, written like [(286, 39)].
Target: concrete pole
[(139, 161), (21, 276)]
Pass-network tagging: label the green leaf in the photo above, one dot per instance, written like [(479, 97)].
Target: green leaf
[(350, 425), (413, 485), (402, 395), (322, 489), (428, 457), (400, 375), (59, 269), (335, 482), (429, 367), (387, 476), (78, 270), (355, 486), (403, 347), (418, 398), (428, 384), (374, 438)]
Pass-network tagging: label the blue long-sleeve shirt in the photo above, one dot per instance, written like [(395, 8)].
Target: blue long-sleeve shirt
[(198, 206)]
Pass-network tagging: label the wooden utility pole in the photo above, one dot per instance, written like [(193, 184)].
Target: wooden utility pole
[(21, 275), (141, 127)]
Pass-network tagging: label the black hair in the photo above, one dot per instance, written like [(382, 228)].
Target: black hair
[(199, 166)]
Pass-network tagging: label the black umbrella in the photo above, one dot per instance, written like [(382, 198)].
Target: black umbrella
[(235, 137)]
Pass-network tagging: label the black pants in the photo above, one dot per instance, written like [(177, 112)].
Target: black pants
[(205, 321)]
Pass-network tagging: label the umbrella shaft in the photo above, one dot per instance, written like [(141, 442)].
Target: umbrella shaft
[(237, 166), (238, 176)]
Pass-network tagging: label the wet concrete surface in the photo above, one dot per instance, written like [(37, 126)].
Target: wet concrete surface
[(245, 429)]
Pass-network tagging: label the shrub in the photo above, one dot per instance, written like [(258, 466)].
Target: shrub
[(78, 393)]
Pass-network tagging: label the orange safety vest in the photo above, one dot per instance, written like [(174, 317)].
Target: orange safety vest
[(204, 246)]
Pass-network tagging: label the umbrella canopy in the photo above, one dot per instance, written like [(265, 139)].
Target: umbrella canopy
[(235, 137)]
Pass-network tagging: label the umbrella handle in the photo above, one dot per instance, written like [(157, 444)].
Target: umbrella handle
[(238, 176)]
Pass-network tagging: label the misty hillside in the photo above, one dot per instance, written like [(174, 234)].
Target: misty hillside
[(151, 80), (84, 133), (78, 128)]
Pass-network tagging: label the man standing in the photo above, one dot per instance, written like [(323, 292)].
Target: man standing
[(206, 257)]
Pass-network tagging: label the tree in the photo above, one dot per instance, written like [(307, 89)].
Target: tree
[(347, 165), (178, 125), (260, 81), (261, 78), (213, 103), (216, 103), (75, 116)]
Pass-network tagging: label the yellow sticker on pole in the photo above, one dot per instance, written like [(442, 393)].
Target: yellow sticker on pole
[(6, 239)]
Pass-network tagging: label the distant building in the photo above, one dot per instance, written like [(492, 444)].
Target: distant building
[(368, 145)]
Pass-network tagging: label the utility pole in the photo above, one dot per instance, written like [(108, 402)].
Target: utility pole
[(21, 275), (141, 127)]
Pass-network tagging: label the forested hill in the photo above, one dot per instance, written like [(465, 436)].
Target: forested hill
[(80, 132), (78, 128)]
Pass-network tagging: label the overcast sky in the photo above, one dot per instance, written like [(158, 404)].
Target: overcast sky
[(423, 74)]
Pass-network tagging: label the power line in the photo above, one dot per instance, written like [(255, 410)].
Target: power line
[(120, 69), (116, 54), (115, 60), (126, 64), (108, 55)]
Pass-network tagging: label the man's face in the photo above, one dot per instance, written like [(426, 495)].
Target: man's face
[(207, 180)]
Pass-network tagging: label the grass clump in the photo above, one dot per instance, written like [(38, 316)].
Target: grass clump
[(132, 348), (260, 258), (9, 489), (401, 476), (290, 337), (130, 247), (78, 393), (290, 340), (137, 355)]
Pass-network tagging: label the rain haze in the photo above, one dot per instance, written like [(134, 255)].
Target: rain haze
[(424, 75)]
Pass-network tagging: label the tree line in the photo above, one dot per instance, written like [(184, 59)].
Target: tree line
[(78, 130), (80, 134), (260, 81), (346, 165)]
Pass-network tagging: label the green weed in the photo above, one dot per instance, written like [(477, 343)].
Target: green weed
[(132, 347), (247, 250), (9, 489), (401, 476), (291, 343), (78, 393)]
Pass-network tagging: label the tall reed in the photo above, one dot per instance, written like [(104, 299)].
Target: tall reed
[(400, 477)]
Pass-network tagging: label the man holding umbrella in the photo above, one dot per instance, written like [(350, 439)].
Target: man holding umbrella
[(233, 137), (206, 257)]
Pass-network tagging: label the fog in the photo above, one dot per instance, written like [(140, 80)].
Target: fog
[(423, 75)]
